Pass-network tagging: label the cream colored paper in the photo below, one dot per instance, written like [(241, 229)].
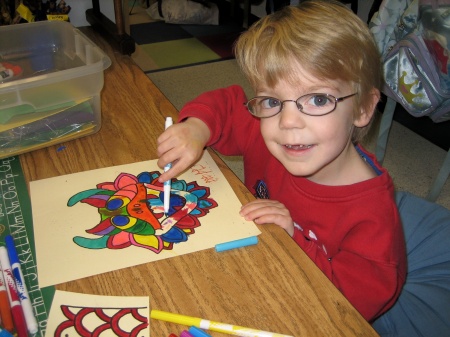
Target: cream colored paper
[(55, 224), (98, 313)]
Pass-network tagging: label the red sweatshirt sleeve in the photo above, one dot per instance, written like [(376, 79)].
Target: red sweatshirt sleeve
[(226, 116)]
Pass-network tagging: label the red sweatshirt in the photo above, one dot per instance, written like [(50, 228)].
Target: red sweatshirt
[(353, 233)]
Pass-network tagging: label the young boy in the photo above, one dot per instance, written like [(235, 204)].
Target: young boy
[(316, 73)]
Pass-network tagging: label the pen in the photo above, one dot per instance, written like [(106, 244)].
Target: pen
[(167, 184), (25, 301), (5, 308), (210, 325), (14, 301)]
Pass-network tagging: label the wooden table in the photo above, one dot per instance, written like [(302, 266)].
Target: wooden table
[(272, 286)]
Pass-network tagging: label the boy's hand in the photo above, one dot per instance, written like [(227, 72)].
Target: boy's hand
[(264, 211), (182, 145)]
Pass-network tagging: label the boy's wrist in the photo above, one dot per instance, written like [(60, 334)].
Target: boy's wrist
[(203, 131)]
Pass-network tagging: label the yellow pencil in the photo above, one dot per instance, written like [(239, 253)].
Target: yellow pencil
[(210, 325)]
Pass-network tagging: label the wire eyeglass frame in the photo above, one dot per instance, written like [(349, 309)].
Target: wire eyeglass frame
[(329, 97)]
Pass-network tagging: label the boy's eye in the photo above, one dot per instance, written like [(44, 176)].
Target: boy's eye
[(318, 100), (270, 102)]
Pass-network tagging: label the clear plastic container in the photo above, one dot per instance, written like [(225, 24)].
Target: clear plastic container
[(51, 85)]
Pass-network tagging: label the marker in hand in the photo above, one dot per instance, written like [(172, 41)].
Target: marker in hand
[(167, 184)]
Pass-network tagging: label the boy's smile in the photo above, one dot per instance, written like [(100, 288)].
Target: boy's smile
[(298, 147)]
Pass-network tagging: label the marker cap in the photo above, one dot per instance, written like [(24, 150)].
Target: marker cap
[(5, 333), (196, 332), (252, 240), (12, 252)]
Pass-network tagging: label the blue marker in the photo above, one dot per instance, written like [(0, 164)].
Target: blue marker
[(5, 333), (25, 301), (167, 184), (252, 240), (196, 332)]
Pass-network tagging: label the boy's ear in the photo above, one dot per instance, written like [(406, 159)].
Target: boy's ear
[(368, 109)]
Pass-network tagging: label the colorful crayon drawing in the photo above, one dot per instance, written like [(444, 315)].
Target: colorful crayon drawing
[(132, 212), (92, 222), (88, 322)]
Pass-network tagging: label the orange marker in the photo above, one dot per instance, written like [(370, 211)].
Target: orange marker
[(5, 308)]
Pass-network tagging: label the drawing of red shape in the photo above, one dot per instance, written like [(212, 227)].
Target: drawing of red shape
[(93, 322)]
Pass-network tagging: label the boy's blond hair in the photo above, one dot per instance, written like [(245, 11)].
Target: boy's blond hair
[(328, 40)]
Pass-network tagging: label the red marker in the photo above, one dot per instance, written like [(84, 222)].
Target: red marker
[(14, 300), (5, 308)]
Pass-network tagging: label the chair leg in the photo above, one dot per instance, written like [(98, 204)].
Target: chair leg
[(247, 10), (232, 8), (354, 6), (375, 7), (440, 179), (134, 3), (385, 127), (235, 5), (270, 7)]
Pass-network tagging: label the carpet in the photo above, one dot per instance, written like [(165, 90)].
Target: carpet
[(163, 46)]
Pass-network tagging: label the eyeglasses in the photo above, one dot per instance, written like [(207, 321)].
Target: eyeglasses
[(311, 104)]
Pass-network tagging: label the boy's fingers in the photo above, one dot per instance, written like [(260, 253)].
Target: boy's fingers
[(176, 169)]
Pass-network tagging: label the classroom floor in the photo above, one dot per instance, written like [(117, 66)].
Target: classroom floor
[(162, 45)]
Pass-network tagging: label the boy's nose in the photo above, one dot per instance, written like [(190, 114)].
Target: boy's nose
[(291, 116)]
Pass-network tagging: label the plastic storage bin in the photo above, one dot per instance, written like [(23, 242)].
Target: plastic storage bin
[(50, 84)]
